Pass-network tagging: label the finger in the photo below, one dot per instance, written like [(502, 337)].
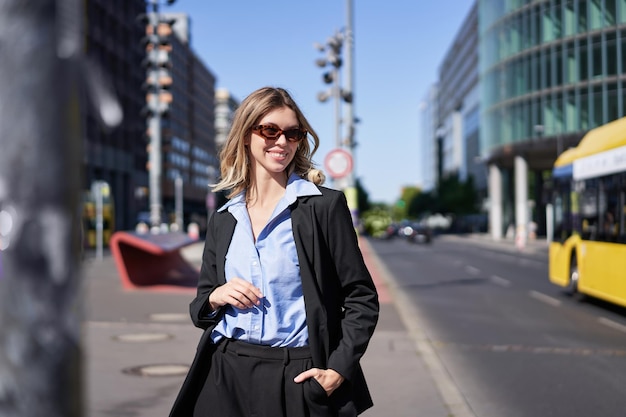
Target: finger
[(251, 298), (242, 300), (246, 287), (234, 301), (309, 373), (248, 291)]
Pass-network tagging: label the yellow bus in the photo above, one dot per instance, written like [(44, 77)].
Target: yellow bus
[(588, 252)]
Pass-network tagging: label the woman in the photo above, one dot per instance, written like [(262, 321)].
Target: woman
[(286, 301)]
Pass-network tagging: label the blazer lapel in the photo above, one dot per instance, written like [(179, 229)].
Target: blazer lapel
[(224, 235)]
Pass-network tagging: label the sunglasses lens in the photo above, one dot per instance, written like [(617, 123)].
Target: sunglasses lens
[(294, 134), (270, 132)]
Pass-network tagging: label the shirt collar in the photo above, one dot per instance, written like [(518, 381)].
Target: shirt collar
[(296, 187)]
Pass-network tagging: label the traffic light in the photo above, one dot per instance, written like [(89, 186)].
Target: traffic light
[(333, 56), (158, 64), (334, 44)]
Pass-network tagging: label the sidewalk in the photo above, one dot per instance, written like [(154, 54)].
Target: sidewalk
[(139, 343), (535, 246)]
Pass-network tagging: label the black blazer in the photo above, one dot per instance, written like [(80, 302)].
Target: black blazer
[(340, 297)]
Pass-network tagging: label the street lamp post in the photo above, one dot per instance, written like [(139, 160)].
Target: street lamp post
[(333, 58), (158, 79), (348, 95)]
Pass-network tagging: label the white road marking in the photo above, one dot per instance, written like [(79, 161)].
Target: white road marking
[(612, 324), (500, 281), (472, 270), (545, 298)]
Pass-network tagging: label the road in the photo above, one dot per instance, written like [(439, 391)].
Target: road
[(512, 343)]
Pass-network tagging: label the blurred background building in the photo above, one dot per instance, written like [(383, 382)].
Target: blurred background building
[(119, 157), (550, 71), (428, 118), (542, 73), (188, 131), (521, 82), (225, 106)]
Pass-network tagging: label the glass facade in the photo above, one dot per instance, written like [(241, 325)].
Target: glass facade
[(550, 67)]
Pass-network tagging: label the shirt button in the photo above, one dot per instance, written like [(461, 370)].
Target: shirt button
[(255, 327), (255, 263)]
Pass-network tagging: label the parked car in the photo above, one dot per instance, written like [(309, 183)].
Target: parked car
[(390, 232), (418, 233)]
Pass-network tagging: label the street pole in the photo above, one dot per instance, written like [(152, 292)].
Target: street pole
[(351, 191), (350, 73), (337, 96), (154, 127), (97, 189), (154, 157), (40, 161), (178, 188), (158, 63)]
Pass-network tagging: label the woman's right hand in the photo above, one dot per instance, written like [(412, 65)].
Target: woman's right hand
[(237, 292)]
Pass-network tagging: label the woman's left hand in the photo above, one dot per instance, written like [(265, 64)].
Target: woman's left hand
[(329, 379)]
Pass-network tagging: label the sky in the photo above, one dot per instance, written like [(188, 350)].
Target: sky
[(398, 48)]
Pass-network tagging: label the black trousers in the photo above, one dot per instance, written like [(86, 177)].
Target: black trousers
[(247, 380)]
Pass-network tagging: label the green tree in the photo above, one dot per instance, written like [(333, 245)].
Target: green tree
[(451, 196), (363, 202), (422, 204), (455, 196), (401, 208)]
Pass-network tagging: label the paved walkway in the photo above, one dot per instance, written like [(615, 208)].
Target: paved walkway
[(139, 343)]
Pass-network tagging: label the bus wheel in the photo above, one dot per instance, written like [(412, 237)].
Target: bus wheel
[(572, 286)]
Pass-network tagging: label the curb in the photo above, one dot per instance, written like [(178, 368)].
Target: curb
[(409, 313)]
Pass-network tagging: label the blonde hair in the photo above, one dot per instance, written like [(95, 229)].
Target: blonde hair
[(235, 172)]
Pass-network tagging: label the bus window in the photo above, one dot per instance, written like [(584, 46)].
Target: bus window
[(609, 204), (610, 223), (589, 212), (621, 216), (558, 217), (562, 217), (562, 209)]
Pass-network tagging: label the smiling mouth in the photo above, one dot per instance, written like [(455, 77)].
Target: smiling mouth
[(278, 154)]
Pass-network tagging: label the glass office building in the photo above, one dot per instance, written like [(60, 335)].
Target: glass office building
[(550, 70)]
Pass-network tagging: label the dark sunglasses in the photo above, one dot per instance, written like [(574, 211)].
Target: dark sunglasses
[(271, 132)]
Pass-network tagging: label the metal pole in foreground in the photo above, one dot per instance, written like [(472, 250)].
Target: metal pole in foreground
[(40, 354)]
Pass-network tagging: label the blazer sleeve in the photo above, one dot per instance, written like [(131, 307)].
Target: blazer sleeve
[(207, 282), (360, 299)]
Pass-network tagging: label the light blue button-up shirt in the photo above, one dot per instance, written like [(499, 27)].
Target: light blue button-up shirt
[(271, 264)]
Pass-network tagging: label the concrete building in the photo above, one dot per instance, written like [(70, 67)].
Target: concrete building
[(225, 106), (188, 130), (118, 156), (550, 70), (428, 156), (457, 117)]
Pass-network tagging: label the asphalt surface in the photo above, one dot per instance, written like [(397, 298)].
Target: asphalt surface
[(138, 344)]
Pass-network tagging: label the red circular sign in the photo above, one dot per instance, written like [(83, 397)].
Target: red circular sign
[(338, 163)]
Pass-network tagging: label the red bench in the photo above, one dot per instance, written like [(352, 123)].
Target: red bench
[(153, 260)]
